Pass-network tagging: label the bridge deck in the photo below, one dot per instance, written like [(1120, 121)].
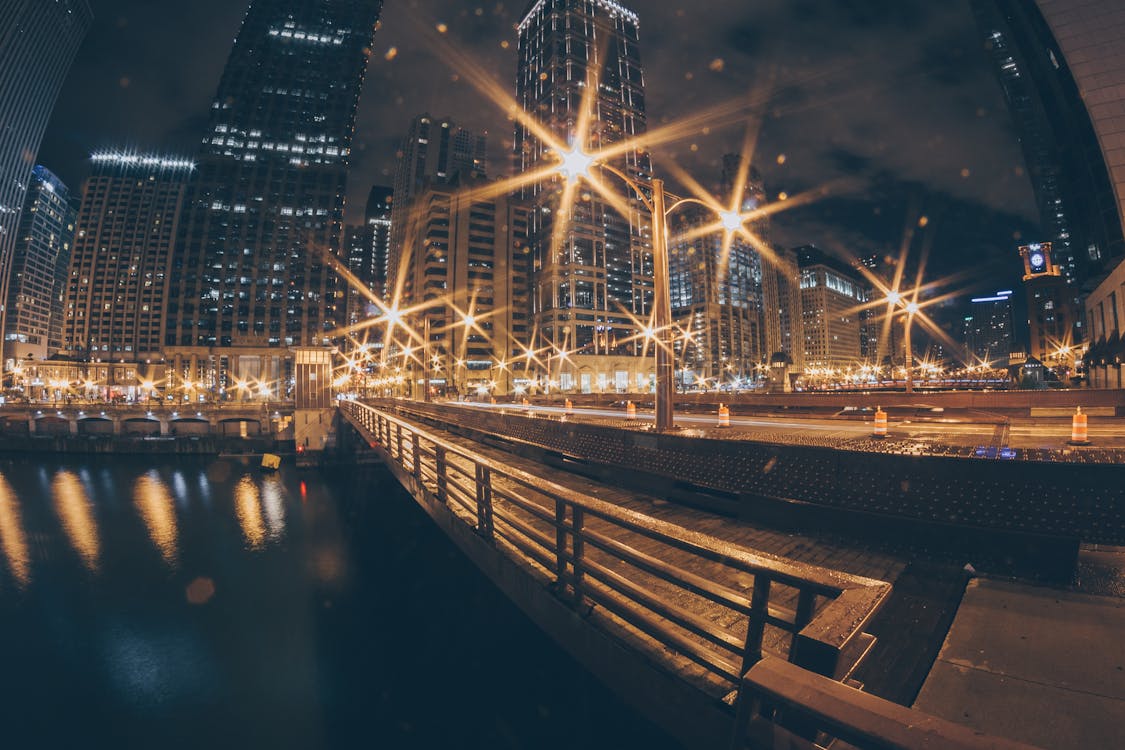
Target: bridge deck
[(910, 630)]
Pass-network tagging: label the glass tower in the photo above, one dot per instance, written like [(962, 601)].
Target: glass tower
[(38, 42), (592, 266), (39, 266), (262, 220), (716, 289)]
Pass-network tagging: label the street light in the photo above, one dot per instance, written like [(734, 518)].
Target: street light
[(574, 164)]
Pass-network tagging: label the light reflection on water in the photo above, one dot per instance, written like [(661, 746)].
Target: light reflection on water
[(248, 507), (77, 517), (13, 540), (155, 506)]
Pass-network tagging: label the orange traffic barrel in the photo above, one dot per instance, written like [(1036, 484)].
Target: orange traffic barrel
[(630, 410), (492, 399), (1079, 434), (880, 423), (569, 406), (724, 416), (526, 402)]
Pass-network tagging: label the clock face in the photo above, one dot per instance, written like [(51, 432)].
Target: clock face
[(1037, 260)]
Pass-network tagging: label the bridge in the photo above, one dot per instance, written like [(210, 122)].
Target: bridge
[(725, 633)]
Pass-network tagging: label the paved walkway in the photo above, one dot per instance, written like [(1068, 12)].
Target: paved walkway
[(1039, 665)]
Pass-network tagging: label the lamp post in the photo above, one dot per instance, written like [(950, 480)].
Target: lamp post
[(575, 164), (896, 300)]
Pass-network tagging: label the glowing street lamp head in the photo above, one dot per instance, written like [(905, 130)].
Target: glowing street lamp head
[(912, 307), (731, 220), (894, 298), (574, 164), (469, 321)]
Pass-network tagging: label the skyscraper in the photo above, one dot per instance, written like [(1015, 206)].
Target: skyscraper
[(592, 266), (39, 265), (262, 221), (470, 271), (832, 294), (38, 42), (116, 292), (716, 294), (1062, 68), (434, 151), (782, 323), (988, 330), (377, 218)]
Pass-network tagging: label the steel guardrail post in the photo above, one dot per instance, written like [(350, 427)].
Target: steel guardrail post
[(416, 456), (440, 467), (484, 502), (560, 544), (578, 545)]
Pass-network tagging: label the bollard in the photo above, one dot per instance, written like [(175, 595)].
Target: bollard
[(880, 423), (1079, 434), (630, 410), (724, 416), (569, 406)]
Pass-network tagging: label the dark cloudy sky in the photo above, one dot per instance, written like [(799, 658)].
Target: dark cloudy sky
[(895, 95)]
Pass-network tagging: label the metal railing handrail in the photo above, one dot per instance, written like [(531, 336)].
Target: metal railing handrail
[(823, 638)]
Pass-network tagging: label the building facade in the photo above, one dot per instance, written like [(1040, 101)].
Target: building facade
[(38, 42), (592, 271), (471, 276), (1105, 311), (716, 295), (832, 294), (1050, 308), (433, 151), (262, 225), (782, 323), (987, 330), (116, 289), (39, 265)]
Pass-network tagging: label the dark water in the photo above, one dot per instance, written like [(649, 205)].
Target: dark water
[(200, 603)]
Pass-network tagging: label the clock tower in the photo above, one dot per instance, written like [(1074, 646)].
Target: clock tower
[(1037, 261), (1050, 314)]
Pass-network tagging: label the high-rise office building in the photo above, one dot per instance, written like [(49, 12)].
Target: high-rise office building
[(367, 246), (434, 151), (782, 323), (987, 330), (471, 273), (39, 264), (116, 290), (832, 294), (1062, 68), (377, 218), (592, 266), (38, 42), (262, 222), (716, 294)]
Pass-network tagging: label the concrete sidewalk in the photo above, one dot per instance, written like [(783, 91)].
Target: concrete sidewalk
[(1039, 665)]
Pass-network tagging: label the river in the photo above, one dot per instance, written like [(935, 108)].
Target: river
[(201, 603)]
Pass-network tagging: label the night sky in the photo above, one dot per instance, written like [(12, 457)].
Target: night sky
[(896, 96)]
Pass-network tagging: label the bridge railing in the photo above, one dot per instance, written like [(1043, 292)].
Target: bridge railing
[(710, 602)]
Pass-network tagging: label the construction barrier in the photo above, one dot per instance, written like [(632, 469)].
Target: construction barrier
[(1079, 433), (724, 416), (880, 423), (630, 410)]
